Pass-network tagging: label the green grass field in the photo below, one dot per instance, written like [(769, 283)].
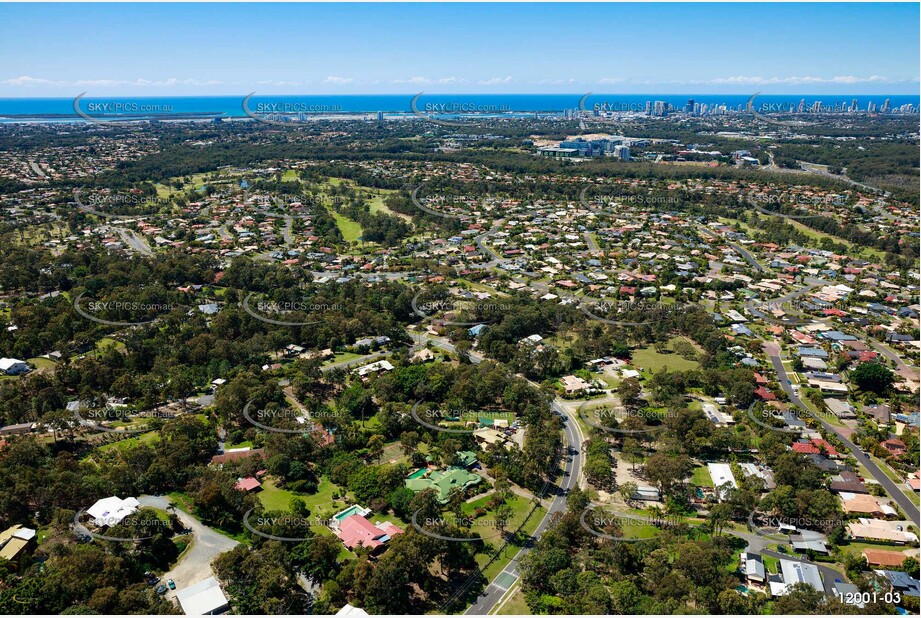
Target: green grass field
[(274, 498), (150, 437), (351, 230), (520, 507), (515, 605), (652, 362), (701, 477)]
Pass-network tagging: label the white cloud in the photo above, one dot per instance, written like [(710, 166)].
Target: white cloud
[(495, 81), (26, 80), (339, 81), (793, 80)]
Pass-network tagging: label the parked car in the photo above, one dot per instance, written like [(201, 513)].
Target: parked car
[(171, 584), (161, 589)]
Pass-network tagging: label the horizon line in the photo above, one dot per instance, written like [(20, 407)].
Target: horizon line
[(87, 95)]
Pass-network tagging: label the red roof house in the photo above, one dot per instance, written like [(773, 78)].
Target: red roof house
[(355, 530), (765, 394), (895, 447), (814, 447), (248, 484)]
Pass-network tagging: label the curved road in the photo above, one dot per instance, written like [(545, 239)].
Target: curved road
[(908, 507), (572, 467)]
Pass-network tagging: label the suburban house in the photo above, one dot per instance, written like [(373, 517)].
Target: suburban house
[(247, 484), (18, 429), (445, 483), (111, 511), (378, 367), (883, 557), (894, 447), (753, 566), (794, 572), (865, 529), (864, 504), (352, 527), (236, 455), (903, 582), (13, 366), (14, 541), (203, 599), (573, 384)]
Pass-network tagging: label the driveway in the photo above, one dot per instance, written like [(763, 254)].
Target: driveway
[(195, 564)]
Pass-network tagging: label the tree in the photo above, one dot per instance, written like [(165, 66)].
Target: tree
[(629, 390), (627, 490), (502, 516), (376, 446), (873, 377)]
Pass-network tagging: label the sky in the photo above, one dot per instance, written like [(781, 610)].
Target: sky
[(61, 50)]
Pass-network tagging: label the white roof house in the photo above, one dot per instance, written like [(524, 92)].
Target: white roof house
[(203, 599), (13, 366), (382, 365), (721, 474), (351, 610), (111, 511), (795, 572), (754, 567)]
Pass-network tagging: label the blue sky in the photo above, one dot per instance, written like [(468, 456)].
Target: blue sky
[(212, 49)]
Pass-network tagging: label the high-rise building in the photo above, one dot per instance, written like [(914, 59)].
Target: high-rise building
[(854, 105), (380, 116), (622, 152), (801, 107), (885, 107)]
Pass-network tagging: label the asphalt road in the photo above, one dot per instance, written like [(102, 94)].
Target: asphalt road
[(748, 257), (911, 511), (572, 465), (572, 472)]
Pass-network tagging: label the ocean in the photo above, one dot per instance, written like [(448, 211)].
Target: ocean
[(450, 105)]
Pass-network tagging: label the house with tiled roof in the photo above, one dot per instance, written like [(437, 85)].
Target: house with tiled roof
[(882, 557), (815, 446), (356, 530)]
